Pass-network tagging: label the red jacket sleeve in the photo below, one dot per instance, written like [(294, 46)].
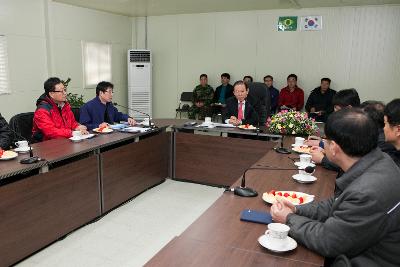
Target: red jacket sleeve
[(44, 122), (300, 100)]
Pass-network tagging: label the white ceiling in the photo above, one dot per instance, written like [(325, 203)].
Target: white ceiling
[(138, 8)]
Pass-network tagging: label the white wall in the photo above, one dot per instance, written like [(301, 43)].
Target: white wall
[(358, 47), (36, 53)]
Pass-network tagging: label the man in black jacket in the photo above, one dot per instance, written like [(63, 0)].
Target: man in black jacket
[(392, 129), (5, 134), (319, 103), (239, 109), (225, 90)]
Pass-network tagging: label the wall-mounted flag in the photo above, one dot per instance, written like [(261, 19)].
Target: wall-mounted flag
[(311, 23), (287, 24)]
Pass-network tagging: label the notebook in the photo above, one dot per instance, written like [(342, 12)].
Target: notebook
[(256, 216)]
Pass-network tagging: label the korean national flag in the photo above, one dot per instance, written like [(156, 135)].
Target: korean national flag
[(311, 23)]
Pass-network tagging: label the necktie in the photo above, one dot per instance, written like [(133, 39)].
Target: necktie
[(240, 111)]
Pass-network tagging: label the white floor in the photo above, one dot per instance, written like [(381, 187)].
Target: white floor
[(133, 233)]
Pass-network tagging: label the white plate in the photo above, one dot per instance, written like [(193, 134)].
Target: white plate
[(76, 140), (296, 145), (271, 199), (22, 149), (277, 245), (304, 179), (304, 165), (105, 130), (8, 154), (87, 136)]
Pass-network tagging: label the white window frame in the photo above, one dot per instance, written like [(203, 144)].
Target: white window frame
[(4, 75), (96, 63)]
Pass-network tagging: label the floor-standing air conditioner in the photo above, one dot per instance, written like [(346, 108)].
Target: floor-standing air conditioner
[(139, 82)]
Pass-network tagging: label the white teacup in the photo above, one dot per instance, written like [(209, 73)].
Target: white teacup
[(207, 119), (299, 141), (22, 144), (77, 133), (277, 230), (305, 158)]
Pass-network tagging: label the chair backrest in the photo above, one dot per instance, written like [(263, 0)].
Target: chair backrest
[(22, 124), (76, 113), (187, 96)]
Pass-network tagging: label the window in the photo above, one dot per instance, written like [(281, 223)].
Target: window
[(4, 86), (97, 63)]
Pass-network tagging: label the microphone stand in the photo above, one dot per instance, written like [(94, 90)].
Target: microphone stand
[(281, 149), (244, 191), (138, 111), (32, 159)]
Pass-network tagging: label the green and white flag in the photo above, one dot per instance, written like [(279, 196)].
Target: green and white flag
[(287, 24)]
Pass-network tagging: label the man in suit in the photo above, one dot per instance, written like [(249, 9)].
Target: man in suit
[(360, 221), (225, 90), (239, 109)]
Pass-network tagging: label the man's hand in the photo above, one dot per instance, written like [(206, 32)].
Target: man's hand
[(312, 109), (281, 209), (317, 154), (234, 121), (131, 121), (82, 128), (313, 141)]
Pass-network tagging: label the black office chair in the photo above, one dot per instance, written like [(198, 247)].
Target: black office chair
[(185, 97), (76, 113), (22, 124), (261, 94)]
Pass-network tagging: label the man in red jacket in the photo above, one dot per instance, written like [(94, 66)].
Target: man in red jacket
[(291, 96), (53, 116)]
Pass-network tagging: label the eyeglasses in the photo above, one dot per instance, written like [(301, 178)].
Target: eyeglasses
[(109, 91), (63, 91)]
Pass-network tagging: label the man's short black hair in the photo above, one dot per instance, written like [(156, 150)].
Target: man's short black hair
[(374, 109), (346, 97), (50, 84), (326, 80), (353, 130), (241, 82), (103, 86), (268, 76), (226, 75), (292, 76), (392, 112), (203, 75), (249, 77)]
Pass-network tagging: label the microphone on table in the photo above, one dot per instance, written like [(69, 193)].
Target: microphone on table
[(138, 111), (31, 159), (281, 149), (244, 191)]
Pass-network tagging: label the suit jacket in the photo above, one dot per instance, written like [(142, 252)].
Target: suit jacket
[(228, 92), (261, 100), (231, 109)]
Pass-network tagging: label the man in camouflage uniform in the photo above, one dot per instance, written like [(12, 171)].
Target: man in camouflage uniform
[(202, 98)]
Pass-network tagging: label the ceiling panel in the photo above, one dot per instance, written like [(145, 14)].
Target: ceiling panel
[(138, 8)]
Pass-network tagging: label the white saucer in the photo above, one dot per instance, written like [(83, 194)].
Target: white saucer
[(303, 165), (296, 145), (277, 245), (304, 179), (76, 140), (22, 149)]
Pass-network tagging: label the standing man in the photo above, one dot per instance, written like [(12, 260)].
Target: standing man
[(269, 82), (5, 134), (53, 117), (203, 96), (238, 109), (361, 221), (319, 103), (291, 96), (225, 90), (100, 111)]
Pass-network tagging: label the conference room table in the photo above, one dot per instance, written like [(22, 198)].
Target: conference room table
[(78, 183)]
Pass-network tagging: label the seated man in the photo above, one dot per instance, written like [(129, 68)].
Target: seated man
[(225, 90), (203, 96), (100, 111), (392, 128), (345, 98), (53, 117), (319, 103), (274, 93), (361, 221), (247, 79), (238, 109), (5, 134), (291, 96)]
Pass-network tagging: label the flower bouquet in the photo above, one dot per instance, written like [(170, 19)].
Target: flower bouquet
[(292, 122)]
